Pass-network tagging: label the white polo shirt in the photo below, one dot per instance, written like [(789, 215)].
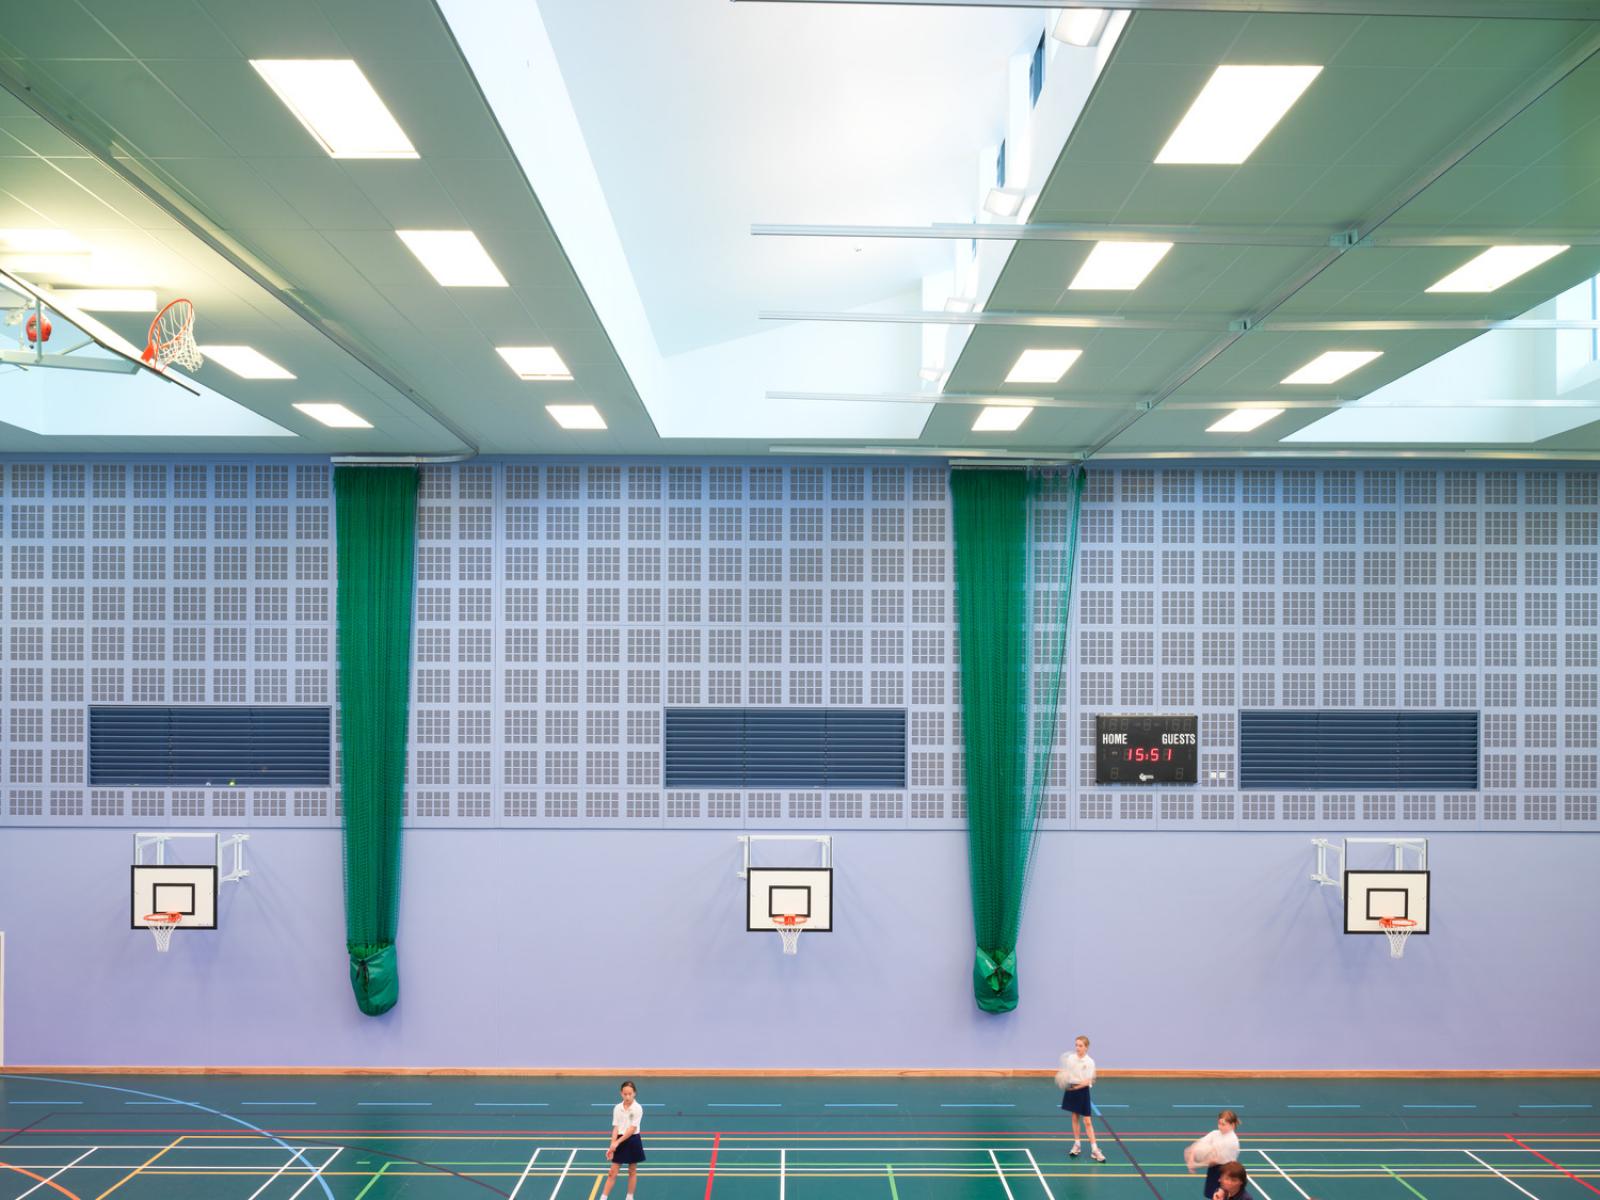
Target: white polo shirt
[(624, 1116), (1217, 1148), (1077, 1069)]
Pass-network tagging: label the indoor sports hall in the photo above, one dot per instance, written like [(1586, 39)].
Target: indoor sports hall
[(799, 600)]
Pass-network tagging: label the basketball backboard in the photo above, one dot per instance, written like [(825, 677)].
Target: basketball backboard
[(778, 892), (1370, 896)]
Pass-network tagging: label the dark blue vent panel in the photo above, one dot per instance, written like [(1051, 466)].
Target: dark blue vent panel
[(212, 746), (1371, 749), (823, 748)]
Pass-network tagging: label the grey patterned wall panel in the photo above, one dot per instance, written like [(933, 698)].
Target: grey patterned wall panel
[(561, 605)]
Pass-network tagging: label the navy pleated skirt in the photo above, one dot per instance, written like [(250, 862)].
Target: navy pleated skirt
[(629, 1150), (1076, 1100)]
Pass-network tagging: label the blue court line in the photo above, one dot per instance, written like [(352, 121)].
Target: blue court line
[(509, 1104), (977, 1106), (1322, 1106), (860, 1106), (640, 1103), (257, 1103), (743, 1105), (50, 1102), (152, 1103), (1438, 1106), (394, 1103), (1097, 1104), (1208, 1106), (1555, 1106)]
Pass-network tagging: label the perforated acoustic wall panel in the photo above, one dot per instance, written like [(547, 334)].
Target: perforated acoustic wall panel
[(562, 606)]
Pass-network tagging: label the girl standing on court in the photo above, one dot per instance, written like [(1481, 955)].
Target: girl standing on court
[(626, 1146), (1219, 1146), (1074, 1078)]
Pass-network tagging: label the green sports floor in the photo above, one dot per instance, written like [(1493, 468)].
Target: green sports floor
[(454, 1137)]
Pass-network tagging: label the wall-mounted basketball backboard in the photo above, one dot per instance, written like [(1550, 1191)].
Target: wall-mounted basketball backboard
[(1372, 896)]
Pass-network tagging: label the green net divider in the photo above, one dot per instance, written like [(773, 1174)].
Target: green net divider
[(1012, 607), (377, 536)]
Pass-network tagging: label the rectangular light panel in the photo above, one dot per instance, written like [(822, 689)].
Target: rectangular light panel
[(576, 416), (1243, 420), (534, 362), (333, 100), (455, 257), (1235, 110), (1081, 26), (1118, 266), (335, 416), (1332, 366), (1000, 418), (41, 241), (1496, 267), (110, 299), (1042, 366), (246, 362)]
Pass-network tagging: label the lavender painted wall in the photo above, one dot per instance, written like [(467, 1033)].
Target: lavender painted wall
[(625, 948)]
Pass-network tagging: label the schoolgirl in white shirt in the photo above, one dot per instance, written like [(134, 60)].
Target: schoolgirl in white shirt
[(1219, 1146), (1075, 1077), (626, 1146)]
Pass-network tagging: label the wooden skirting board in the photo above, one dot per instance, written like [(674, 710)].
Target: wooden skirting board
[(807, 1072)]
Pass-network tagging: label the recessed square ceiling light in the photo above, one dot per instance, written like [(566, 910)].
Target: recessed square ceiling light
[(1081, 26), (1118, 266), (1003, 202), (534, 362), (1235, 110), (337, 416), (41, 241), (930, 374), (1332, 366), (109, 299), (1000, 418), (576, 416), (333, 100), (1042, 366), (959, 304), (246, 362), (1496, 267), (455, 257), (1243, 420)]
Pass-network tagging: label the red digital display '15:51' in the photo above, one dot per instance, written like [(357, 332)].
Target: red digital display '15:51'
[(1147, 754)]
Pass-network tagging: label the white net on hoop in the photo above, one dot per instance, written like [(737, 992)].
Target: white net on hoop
[(1398, 929), (790, 929), (161, 926), (172, 338)]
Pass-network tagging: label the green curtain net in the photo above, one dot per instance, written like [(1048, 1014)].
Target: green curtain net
[(377, 524), (1016, 539)]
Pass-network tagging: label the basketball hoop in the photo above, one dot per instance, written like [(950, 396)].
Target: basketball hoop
[(162, 925), (172, 338), (789, 928), (1398, 930)]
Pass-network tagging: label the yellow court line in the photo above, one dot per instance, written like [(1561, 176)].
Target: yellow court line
[(141, 1166), (596, 1186)]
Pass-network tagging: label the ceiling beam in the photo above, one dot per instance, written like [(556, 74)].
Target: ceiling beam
[(1098, 321), (1519, 10), (1192, 235), (1186, 403)]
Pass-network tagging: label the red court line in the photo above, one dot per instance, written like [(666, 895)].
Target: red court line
[(1554, 1164), (41, 1179), (711, 1174)]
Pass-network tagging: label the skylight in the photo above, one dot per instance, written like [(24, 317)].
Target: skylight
[(1042, 366), (333, 100), (1332, 366), (534, 362), (1236, 109), (455, 257), (1496, 267), (1118, 266)]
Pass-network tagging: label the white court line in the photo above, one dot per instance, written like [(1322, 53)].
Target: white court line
[(526, 1169), (394, 1103), (1509, 1180), (53, 1103), (293, 1158), (1281, 1171), (61, 1171), (1032, 1162), (783, 1170), (312, 1178), (570, 1156), (1002, 1175)]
